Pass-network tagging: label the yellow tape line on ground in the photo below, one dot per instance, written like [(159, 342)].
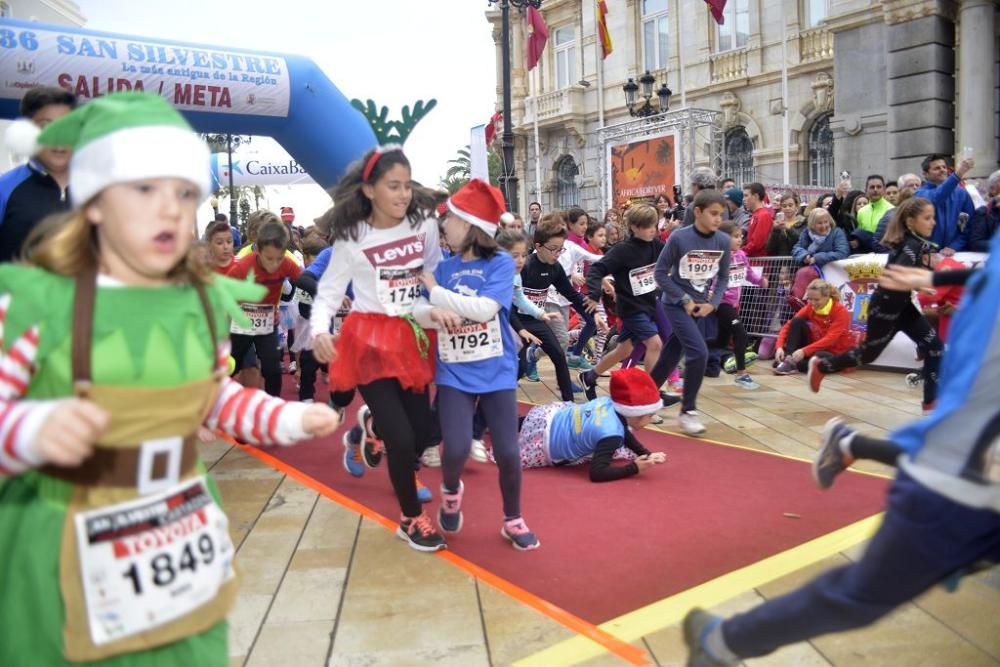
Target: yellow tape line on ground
[(669, 611)]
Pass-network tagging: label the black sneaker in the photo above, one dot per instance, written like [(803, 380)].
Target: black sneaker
[(697, 625), (420, 534), (670, 399), (373, 446), (589, 387)]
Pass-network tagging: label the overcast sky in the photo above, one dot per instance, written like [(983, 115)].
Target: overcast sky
[(392, 51)]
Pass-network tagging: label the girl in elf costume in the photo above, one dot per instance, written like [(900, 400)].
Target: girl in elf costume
[(113, 547)]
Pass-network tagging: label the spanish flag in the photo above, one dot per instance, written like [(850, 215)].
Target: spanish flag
[(602, 29)]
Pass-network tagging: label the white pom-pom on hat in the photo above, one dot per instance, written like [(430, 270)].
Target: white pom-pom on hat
[(21, 138)]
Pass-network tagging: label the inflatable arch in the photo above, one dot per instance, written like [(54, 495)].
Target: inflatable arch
[(218, 89)]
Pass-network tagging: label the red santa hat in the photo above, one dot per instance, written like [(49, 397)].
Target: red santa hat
[(480, 204), (634, 393), (287, 214)]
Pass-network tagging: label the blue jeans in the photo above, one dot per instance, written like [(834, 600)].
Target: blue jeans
[(923, 539)]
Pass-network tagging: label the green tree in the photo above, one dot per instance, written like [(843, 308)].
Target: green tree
[(460, 169), (218, 143)]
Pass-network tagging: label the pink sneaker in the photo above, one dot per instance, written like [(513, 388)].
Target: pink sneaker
[(521, 538)]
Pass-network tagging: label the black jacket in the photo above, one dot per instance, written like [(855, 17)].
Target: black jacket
[(27, 195)]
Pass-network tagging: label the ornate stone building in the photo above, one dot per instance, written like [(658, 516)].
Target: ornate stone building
[(871, 87)]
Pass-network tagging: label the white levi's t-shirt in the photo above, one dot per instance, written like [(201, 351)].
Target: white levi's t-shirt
[(384, 266)]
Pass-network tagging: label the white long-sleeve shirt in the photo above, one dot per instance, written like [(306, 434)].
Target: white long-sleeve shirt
[(571, 261), (385, 267)]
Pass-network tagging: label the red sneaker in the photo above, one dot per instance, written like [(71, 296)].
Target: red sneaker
[(816, 374)]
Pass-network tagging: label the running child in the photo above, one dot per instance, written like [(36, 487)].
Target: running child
[(566, 433), (542, 271), (384, 239), (114, 350), (729, 324), (595, 238), (892, 311), (220, 248), (516, 245), (469, 301), (630, 265), (270, 268), (693, 256)]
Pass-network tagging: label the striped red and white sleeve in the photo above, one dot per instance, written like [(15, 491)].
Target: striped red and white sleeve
[(20, 419), (252, 416)]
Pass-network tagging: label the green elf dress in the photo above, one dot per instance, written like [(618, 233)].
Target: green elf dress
[(125, 560)]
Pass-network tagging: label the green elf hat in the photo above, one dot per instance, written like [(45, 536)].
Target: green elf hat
[(127, 137)]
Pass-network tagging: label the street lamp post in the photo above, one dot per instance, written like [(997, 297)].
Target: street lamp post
[(508, 180), (232, 194), (647, 81)]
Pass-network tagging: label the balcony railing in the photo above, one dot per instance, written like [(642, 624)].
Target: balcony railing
[(729, 66), (556, 106), (815, 45)]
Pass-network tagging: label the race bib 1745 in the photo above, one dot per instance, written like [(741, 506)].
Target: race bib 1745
[(398, 288)]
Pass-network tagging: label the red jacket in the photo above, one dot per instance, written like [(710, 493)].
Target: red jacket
[(830, 333), (758, 231)]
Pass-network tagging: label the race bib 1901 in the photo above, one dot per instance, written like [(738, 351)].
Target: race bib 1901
[(261, 320), (700, 266), (473, 341), (398, 288), (641, 279), (149, 561)]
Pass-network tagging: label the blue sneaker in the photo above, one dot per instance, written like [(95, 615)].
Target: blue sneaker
[(531, 356), (354, 462), (423, 493), (699, 626), (578, 361), (746, 381), (577, 389)]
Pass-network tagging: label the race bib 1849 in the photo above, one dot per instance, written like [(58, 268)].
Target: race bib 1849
[(473, 341), (261, 320), (641, 279), (149, 561), (398, 288)]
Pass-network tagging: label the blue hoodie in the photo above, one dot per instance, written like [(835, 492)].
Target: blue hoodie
[(949, 201)]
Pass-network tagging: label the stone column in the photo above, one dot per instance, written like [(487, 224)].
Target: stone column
[(977, 76), (920, 38)]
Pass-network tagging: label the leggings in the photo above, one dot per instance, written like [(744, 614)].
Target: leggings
[(500, 411), (551, 347), (404, 420), (885, 319), (799, 335), (308, 366), (267, 352), (730, 326)]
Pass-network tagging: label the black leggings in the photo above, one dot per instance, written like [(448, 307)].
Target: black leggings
[(404, 421), (267, 352), (551, 347), (798, 337), (730, 326), (885, 319), (307, 375)]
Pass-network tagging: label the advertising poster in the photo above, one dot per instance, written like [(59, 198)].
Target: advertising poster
[(643, 168)]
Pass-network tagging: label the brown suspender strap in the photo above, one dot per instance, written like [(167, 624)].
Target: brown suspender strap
[(83, 329), (206, 305)]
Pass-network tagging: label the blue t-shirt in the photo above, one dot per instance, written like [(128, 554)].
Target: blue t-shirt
[(576, 429), (494, 279)]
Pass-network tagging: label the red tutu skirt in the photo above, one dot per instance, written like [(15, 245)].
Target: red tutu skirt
[(372, 346)]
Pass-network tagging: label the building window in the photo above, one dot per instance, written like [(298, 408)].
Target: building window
[(739, 157), (816, 11), (821, 152), (4, 10), (566, 191), (734, 32), (654, 34), (565, 48)]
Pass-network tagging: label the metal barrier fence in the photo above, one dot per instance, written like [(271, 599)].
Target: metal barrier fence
[(764, 310)]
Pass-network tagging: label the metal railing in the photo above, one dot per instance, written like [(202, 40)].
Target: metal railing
[(764, 311)]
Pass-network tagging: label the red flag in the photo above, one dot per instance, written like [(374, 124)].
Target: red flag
[(602, 29), (539, 35), (717, 7), (491, 127)]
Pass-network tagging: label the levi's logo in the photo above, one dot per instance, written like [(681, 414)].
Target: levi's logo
[(397, 252)]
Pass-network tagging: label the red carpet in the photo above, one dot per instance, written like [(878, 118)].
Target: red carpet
[(608, 549)]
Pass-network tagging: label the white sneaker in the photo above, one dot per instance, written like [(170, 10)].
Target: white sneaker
[(690, 424), (432, 457), (478, 452), (656, 419)]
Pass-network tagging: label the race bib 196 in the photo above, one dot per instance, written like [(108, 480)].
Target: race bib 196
[(473, 341), (261, 320), (738, 275), (149, 561), (398, 288), (641, 279), (536, 296)]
